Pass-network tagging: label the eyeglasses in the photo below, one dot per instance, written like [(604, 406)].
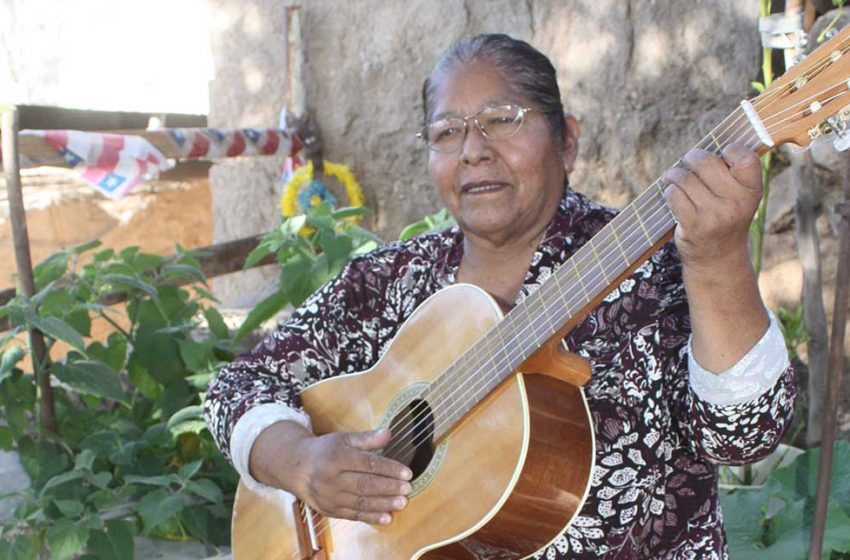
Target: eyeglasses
[(496, 122)]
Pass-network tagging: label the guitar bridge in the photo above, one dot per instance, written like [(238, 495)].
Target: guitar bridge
[(310, 529)]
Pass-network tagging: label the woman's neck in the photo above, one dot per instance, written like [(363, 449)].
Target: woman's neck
[(498, 268)]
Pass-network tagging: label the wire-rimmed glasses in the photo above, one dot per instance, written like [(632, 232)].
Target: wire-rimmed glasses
[(496, 122)]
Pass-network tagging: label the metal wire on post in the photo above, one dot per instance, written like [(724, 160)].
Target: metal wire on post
[(23, 260)]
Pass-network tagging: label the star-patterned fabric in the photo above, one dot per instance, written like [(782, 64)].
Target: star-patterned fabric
[(653, 491)]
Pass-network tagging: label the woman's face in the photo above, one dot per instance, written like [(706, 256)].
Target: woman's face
[(498, 190)]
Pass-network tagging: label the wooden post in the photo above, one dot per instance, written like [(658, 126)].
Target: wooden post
[(295, 91), (836, 367), (23, 260)]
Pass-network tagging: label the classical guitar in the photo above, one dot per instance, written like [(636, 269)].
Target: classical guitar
[(488, 410)]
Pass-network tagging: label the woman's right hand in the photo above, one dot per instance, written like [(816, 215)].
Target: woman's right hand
[(337, 474)]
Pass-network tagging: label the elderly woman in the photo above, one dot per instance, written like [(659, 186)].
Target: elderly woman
[(688, 368)]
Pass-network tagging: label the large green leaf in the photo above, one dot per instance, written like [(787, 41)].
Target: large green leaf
[(50, 269), (164, 480), (63, 478), (799, 479), (196, 355), (216, 323), (8, 358), (336, 247), (142, 262), (83, 247), (19, 547), (743, 512), (65, 538), (790, 531), (206, 489), (125, 282), (115, 542), (204, 526), (114, 355), (176, 270), (159, 353), (157, 507), (57, 329), (69, 508), (262, 312), (189, 419), (91, 378)]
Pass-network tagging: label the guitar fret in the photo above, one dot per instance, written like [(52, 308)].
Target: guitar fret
[(643, 227), (620, 243), (578, 277), (598, 261)]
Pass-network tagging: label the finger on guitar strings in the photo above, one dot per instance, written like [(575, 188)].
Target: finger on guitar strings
[(372, 463), (713, 172), (745, 167), (372, 485), (675, 184)]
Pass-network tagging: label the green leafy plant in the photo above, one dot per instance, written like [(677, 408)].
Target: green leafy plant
[(774, 521), (132, 455), (792, 323), (311, 249), (434, 222)]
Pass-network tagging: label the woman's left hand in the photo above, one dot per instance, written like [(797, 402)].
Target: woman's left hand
[(714, 199)]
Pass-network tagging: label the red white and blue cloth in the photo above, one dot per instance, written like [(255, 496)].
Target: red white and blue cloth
[(111, 163)]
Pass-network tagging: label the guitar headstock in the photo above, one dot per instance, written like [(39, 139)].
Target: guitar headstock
[(811, 99)]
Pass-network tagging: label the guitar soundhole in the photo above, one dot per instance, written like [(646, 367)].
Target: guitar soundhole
[(412, 441)]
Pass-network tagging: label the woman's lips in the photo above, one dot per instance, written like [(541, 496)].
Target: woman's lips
[(483, 187)]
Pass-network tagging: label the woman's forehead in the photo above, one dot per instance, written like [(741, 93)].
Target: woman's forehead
[(465, 88)]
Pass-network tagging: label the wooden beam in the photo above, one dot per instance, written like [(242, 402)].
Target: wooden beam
[(43, 117), (216, 260)]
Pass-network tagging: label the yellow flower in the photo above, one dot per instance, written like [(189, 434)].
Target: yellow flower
[(304, 176)]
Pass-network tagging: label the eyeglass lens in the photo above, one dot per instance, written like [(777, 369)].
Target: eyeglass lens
[(496, 122)]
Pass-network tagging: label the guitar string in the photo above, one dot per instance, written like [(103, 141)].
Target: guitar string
[(712, 137), (608, 235), (653, 223), (458, 364), (334, 523), (734, 123)]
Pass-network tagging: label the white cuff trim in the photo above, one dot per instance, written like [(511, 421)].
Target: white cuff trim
[(751, 377), (246, 431)]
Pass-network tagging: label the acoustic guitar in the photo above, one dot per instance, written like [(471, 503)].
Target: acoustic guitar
[(488, 410)]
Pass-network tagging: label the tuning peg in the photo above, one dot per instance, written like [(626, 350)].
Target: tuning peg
[(841, 143)]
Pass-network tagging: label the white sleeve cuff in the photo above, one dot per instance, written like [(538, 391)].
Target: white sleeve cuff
[(751, 377), (246, 431)]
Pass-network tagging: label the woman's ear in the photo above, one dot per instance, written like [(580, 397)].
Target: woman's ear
[(571, 142)]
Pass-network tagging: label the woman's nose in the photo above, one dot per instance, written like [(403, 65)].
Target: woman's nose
[(475, 147)]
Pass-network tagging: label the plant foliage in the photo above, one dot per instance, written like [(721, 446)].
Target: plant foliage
[(774, 522), (132, 455)]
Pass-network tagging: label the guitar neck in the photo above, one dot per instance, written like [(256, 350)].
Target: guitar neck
[(594, 270)]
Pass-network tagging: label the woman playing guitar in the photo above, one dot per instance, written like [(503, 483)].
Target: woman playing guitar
[(688, 368)]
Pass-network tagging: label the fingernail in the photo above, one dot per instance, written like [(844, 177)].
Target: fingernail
[(399, 503), (405, 489), (385, 519), (406, 474)]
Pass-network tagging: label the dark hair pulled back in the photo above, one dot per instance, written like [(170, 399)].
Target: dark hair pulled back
[(525, 68)]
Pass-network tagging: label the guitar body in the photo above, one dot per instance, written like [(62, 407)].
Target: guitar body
[(505, 482)]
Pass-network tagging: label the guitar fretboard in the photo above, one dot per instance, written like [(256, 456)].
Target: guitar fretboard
[(589, 273)]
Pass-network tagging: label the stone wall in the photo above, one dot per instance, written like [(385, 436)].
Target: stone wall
[(646, 79)]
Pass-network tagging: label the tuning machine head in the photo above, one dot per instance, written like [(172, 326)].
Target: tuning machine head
[(837, 125)]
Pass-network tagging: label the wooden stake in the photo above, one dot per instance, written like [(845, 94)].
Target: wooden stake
[(836, 367), (23, 260)]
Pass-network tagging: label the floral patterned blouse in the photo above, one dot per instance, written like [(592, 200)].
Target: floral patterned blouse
[(654, 487)]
